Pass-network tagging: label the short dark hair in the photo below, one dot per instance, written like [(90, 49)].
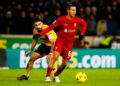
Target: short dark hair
[(37, 18), (70, 5)]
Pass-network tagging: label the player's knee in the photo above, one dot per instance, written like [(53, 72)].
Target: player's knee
[(51, 67), (56, 56), (65, 63), (33, 58)]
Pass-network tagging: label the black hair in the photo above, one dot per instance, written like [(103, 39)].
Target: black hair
[(37, 18), (70, 5)]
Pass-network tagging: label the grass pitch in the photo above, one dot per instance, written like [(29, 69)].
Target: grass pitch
[(96, 77)]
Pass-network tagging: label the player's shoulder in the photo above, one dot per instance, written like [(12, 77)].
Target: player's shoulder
[(44, 26), (35, 31), (51, 32), (78, 19), (61, 18)]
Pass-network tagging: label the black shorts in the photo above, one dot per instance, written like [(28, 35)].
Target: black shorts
[(43, 49)]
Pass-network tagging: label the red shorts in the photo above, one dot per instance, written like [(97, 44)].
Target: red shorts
[(64, 51)]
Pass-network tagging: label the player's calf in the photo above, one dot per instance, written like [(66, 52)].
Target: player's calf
[(62, 67), (65, 62)]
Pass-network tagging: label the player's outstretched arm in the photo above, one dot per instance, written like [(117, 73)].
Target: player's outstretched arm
[(51, 51), (53, 43), (56, 23), (52, 38), (35, 40)]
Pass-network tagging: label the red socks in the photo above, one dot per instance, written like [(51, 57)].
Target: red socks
[(48, 72), (60, 69)]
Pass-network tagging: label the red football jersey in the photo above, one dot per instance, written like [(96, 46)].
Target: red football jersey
[(67, 29)]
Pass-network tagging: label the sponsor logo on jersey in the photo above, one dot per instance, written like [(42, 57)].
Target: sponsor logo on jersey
[(65, 30), (75, 24), (69, 30), (65, 24)]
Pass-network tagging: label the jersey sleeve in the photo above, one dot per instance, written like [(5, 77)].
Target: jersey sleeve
[(35, 31), (83, 25), (51, 35), (56, 23)]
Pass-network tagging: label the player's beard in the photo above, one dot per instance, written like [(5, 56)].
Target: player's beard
[(70, 15), (39, 29)]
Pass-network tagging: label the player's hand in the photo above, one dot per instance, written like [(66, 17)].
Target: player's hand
[(28, 53), (49, 57)]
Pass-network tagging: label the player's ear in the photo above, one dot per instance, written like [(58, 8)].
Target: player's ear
[(67, 10)]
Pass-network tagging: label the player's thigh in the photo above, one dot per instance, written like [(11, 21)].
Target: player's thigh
[(66, 53), (43, 50), (57, 49), (35, 56)]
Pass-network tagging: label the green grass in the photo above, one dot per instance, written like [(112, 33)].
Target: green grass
[(96, 77)]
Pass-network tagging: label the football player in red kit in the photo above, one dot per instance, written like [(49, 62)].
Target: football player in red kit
[(63, 45)]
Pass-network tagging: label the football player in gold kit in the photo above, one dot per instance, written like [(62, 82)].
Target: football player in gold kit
[(44, 49)]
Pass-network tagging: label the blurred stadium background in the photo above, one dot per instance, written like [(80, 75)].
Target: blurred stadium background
[(98, 55)]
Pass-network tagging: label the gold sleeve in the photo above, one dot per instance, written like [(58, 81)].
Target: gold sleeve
[(35, 31), (51, 35)]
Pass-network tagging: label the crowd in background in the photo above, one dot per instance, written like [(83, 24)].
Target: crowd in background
[(16, 16)]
